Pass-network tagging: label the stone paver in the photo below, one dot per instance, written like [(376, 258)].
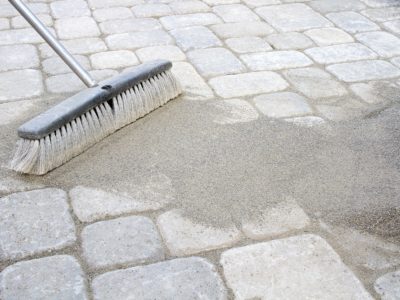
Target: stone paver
[(393, 26), (300, 267), (381, 3), (113, 13), (4, 24), (364, 70), (388, 286), (18, 57), (275, 60), (34, 222), (382, 14), (19, 36), (19, 22), (283, 217), (215, 61), (73, 28), (54, 277), (20, 84), (230, 86), (375, 92), (235, 13), (352, 22), (282, 105), (12, 111), (231, 30), (289, 40), (189, 6), (151, 10), (172, 22), (342, 110), (112, 3), (78, 46), (194, 86), (340, 53), (113, 59), (69, 8), (171, 53), (56, 65), (128, 240), (301, 17), (383, 43), (234, 111), (184, 237), (180, 279), (196, 37), (91, 204), (248, 44), (325, 6), (132, 40), (309, 80), (329, 36), (131, 24)]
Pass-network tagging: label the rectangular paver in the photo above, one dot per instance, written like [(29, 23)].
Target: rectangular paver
[(248, 84), (275, 60), (383, 43), (179, 21)]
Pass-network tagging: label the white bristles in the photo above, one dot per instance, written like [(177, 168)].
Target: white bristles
[(40, 156)]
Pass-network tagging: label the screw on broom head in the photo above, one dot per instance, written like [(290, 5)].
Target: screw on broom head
[(69, 128)]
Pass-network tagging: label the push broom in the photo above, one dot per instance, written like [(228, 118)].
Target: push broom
[(69, 128)]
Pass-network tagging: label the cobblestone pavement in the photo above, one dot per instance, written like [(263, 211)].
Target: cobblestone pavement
[(307, 63)]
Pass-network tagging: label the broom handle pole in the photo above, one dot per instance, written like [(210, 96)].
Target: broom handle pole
[(25, 12)]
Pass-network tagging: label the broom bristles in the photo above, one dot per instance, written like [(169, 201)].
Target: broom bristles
[(42, 155)]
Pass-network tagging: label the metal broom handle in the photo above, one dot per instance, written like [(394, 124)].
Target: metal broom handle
[(53, 43)]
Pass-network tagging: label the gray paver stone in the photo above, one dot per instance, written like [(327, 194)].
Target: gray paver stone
[(56, 65), (112, 13), (215, 61), (171, 53), (151, 10), (20, 84), (20, 22), (230, 30), (12, 111), (248, 44), (235, 13), (69, 8), (79, 27), (141, 39), (34, 222), (78, 46), (352, 22), (247, 84), (233, 111), (325, 6), (178, 279), (54, 277), (18, 57), (131, 24), (275, 60), (329, 36), (289, 40), (128, 240), (382, 14), (299, 267), (183, 236), (179, 21), (393, 26), (113, 59), (376, 92), (91, 204), (388, 286), (300, 15), (189, 7), (196, 37), (364, 70), (383, 43), (381, 3), (282, 105)]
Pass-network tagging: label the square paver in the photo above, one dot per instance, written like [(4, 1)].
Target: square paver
[(196, 37), (128, 240), (34, 222), (183, 236), (282, 105), (215, 61), (235, 13), (171, 53), (300, 15), (299, 267), (113, 59), (128, 25), (329, 36), (383, 43), (352, 22), (245, 84), (54, 277), (364, 70), (340, 53), (275, 60), (178, 279), (20, 84), (310, 80), (132, 40)]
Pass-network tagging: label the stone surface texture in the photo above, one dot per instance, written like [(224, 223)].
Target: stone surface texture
[(308, 268), (388, 286), (35, 222)]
